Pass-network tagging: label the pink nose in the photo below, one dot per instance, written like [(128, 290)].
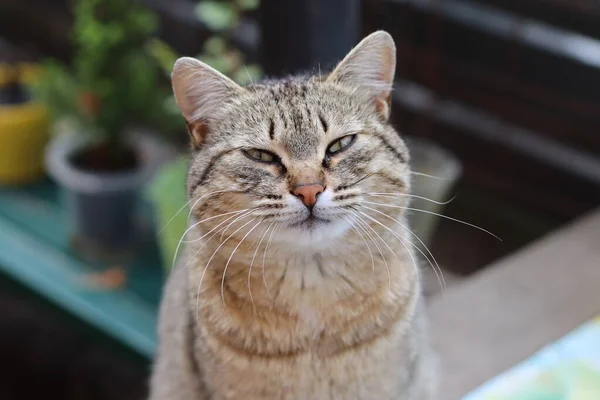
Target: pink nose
[(308, 193)]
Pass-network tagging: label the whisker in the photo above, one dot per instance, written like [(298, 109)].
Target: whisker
[(196, 224), (231, 256), (212, 236), (387, 267), (441, 281), (187, 203), (368, 175), (409, 195), (439, 215), (252, 263), (249, 77), (399, 237), (400, 240), (235, 220), (211, 258), (371, 238), (264, 256), (201, 197), (353, 225), (236, 213), (428, 176)]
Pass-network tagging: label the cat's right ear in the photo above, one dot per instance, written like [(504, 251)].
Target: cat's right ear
[(200, 91), (370, 68)]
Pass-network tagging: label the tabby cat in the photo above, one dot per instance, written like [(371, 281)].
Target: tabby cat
[(297, 279)]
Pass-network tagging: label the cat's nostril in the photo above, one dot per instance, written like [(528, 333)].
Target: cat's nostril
[(308, 193)]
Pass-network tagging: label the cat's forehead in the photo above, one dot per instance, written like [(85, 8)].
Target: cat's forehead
[(297, 88), (299, 114), (299, 93)]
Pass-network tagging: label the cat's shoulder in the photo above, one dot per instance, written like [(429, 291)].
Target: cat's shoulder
[(174, 305)]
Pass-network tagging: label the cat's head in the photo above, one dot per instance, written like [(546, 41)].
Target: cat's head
[(301, 155)]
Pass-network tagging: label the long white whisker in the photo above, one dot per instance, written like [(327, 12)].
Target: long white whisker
[(252, 263), (434, 213), (249, 77), (408, 195), (196, 224), (235, 214), (400, 239), (264, 256), (231, 256), (234, 221), (387, 267), (244, 215), (428, 176), (211, 258), (441, 281), (201, 197), (353, 225), (187, 203), (371, 238)]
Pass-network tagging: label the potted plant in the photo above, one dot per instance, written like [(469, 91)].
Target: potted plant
[(113, 86), (24, 125)]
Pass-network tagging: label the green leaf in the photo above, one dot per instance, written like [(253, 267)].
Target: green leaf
[(215, 45), (163, 54), (248, 5), (116, 59), (217, 15)]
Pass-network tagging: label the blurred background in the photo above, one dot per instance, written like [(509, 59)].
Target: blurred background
[(499, 101)]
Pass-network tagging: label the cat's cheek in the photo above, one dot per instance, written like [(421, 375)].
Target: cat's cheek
[(325, 200)]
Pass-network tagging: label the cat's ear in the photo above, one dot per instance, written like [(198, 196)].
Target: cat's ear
[(370, 68), (200, 91)]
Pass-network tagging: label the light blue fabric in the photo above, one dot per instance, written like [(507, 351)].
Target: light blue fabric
[(568, 369)]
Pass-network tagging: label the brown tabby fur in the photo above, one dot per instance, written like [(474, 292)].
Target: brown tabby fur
[(277, 302)]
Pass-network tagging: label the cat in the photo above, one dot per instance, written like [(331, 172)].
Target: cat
[(297, 280)]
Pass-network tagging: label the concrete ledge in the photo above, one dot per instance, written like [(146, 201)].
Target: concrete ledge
[(500, 316)]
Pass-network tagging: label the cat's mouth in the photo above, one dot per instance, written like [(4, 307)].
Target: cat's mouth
[(310, 222)]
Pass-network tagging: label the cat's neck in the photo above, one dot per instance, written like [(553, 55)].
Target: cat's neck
[(301, 283), (327, 301)]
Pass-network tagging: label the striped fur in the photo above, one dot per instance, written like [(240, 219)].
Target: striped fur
[(288, 302)]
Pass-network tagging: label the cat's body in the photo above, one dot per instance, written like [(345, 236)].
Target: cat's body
[(294, 283)]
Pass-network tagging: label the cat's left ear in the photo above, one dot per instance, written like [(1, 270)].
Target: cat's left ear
[(200, 92), (370, 68)]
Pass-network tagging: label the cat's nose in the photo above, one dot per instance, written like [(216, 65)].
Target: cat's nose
[(308, 193)]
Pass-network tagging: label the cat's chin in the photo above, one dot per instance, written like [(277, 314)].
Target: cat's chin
[(314, 233)]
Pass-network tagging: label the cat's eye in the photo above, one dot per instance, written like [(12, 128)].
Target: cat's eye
[(261, 155), (341, 144)]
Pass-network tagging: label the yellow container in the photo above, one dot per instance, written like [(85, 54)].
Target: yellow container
[(24, 133)]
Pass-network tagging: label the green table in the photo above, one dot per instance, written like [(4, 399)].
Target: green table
[(34, 249)]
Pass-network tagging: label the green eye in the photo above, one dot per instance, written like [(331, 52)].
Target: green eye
[(341, 144), (261, 155)]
